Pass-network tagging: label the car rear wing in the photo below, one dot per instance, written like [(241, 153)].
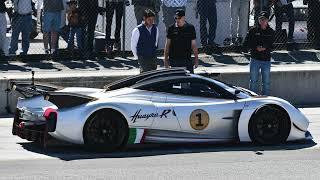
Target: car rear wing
[(31, 89)]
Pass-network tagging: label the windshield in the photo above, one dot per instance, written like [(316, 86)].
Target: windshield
[(231, 88)]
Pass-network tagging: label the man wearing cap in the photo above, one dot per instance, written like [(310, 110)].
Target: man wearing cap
[(169, 8), (181, 40), (144, 42), (259, 41)]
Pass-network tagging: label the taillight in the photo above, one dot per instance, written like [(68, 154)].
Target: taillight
[(51, 115)]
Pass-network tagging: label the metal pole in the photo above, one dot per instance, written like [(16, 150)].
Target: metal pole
[(124, 28)]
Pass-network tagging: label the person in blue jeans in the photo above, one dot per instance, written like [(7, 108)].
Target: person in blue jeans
[(74, 19), (259, 41), (21, 23)]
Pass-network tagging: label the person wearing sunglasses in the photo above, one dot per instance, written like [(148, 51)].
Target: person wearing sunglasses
[(180, 42)]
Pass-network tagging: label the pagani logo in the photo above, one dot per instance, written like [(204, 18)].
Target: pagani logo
[(137, 115)]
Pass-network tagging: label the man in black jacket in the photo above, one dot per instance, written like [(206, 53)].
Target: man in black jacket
[(314, 21), (259, 41)]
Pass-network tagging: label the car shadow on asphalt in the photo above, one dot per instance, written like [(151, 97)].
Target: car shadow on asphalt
[(69, 152)]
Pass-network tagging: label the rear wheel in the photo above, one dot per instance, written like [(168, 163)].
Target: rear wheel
[(269, 125), (105, 130)]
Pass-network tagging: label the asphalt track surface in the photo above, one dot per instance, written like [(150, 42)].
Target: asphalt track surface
[(20, 159)]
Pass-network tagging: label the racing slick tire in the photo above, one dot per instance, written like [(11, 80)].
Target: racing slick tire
[(269, 125), (106, 130)]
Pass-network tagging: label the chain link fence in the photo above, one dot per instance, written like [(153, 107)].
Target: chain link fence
[(222, 24)]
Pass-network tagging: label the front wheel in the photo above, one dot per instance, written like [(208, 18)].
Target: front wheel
[(105, 130), (269, 125)]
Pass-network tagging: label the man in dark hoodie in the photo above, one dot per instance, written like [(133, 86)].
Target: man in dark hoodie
[(259, 41)]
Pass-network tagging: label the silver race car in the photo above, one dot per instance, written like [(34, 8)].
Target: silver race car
[(164, 106)]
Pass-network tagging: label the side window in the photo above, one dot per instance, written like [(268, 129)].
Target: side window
[(203, 90), (187, 88), (191, 89)]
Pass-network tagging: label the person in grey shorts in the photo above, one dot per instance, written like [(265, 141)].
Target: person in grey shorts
[(144, 42), (51, 23)]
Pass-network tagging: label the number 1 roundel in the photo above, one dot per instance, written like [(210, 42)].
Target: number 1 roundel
[(199, 119)]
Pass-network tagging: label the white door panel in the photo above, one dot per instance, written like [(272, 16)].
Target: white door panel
[(166, 118), (222, 114)]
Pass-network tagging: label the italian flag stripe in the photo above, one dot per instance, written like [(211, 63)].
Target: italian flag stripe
[(135, 135)]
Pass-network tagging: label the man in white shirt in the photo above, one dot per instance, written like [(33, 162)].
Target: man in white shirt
[(169, 8), (144, 42), (21, 23)]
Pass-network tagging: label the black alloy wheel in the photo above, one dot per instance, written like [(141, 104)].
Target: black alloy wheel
[(269, 125), (105, 130)]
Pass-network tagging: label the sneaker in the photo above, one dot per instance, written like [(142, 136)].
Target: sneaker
[(239, 41), (234, 41), (227, 42), (47, 51), (117, 46)]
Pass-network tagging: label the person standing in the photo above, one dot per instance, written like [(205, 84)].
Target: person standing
[(281, 7), (169, 8), (259, 6), (117, 7), (181, 40), (239, 20), (144, 42), (3, 27), (313, 22), (21, 23), (208, 13), (63, 28), (51, 24), (259, 41), (141, 5), (75, 24)]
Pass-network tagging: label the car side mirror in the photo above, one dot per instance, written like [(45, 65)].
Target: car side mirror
[(236, 92)]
